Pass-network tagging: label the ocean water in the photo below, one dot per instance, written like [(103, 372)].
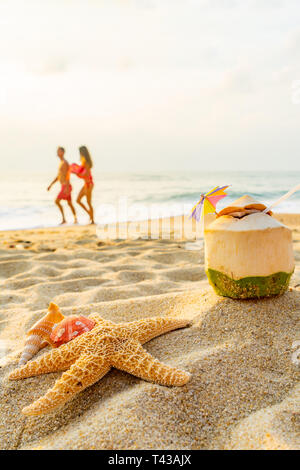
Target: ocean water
[(25, 202)]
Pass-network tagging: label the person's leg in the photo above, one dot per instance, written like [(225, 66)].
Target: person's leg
[(73, 211), (80, 196), (57, 202), (89, 201)]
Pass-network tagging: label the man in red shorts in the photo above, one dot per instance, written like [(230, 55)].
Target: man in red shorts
[(63, 177)]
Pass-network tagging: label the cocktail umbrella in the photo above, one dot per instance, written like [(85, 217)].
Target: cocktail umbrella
[(207, 203)]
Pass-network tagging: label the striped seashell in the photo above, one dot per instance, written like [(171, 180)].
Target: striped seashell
[(39, 335), (32, 346), (71, 327)]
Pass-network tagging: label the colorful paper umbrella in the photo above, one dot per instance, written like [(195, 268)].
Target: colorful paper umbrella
[(208, 202)]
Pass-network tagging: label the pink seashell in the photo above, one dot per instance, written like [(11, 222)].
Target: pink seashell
[(70, 328)]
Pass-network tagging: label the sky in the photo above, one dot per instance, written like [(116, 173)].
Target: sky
[(149, 86)]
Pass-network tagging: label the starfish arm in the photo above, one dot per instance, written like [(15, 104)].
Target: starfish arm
[(100, 321), (56, 359), (149, 328), (86, 371), (137, 361)]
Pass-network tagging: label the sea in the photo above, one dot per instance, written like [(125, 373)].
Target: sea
[(26, 203)]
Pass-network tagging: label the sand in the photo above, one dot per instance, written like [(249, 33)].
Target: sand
[(244, 392)]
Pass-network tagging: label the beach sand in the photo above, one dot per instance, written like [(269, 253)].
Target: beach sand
[(244, 392)]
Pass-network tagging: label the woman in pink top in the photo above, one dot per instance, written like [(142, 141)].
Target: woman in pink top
[(83, 171)]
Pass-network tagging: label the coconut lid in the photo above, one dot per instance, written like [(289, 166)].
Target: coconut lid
[(253, 222), (243, 204)]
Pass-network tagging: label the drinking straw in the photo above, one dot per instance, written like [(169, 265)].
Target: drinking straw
[(282, 198)]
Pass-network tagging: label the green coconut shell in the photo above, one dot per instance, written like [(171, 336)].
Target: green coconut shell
[(249, 287)]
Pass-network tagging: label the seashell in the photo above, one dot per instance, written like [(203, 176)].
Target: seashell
[(39, 334), (70, 328), (32, 345)]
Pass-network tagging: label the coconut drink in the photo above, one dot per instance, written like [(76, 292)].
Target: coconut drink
[(248, 253)]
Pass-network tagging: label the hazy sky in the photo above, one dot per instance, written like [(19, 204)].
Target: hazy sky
[(151, 85)]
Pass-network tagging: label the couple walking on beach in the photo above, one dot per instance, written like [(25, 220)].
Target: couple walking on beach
[(63, 177)]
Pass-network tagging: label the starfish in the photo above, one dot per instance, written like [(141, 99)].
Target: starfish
[(89, 357)]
